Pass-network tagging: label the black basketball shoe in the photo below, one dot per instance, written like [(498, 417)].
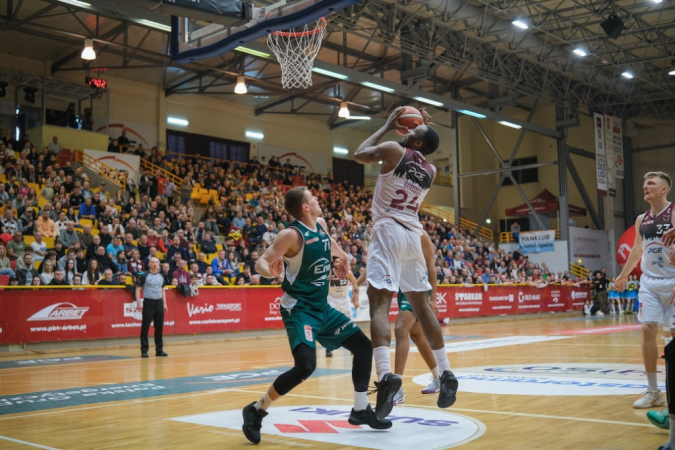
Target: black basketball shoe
[(448, 394), (386, 390), (253, 422), (367, 417)]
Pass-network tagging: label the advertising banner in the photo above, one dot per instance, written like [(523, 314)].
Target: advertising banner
[(44, 316), (617, 140), (610, 156), (600, 160), (537, 241)]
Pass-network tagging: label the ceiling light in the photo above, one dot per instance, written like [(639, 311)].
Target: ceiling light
[(254, 135), (471, 113), (579, 51), (671, 72), (358, 117), (628, 74), (509, 124), (177, 121), (76, 3), (657, 1), (426, 100), (344, 110), (488, 221), (151, 24), (240, 88), (378, 87), (250, 51), (328, 73), (88, 52), (340, 150), (520, 24)]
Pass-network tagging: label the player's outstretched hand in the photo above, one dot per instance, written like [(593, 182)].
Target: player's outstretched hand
[(669, 238), (392, 122), (277, 267)]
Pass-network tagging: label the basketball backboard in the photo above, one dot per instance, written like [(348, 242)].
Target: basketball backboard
[(193, 39)]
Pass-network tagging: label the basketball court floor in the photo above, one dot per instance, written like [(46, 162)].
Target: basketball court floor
[(549, 382)]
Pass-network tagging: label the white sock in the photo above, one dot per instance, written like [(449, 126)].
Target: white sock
[(382, 361), (441, 359), (620, 310), (360, 400), (264, 403), (651, 381), (434, 373)]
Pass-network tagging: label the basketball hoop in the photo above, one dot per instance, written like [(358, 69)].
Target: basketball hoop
[(296, 51)]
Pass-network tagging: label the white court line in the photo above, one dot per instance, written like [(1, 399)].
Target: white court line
[(274, 441), (27, 443), (502, 413)]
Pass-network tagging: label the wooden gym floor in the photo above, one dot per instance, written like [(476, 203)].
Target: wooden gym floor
[(79, 403)]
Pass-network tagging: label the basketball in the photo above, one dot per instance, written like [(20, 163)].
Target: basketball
[(410, 118)]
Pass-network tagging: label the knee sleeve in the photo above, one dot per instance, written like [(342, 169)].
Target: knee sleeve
[(305, 363), (362, 364)]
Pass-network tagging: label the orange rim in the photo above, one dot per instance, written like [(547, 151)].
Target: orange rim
[(304, 33)]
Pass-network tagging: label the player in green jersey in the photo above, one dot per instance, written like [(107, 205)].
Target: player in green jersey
[(303, 251)]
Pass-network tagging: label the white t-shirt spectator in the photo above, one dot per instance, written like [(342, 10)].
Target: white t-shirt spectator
[(41, 247), (269, 237)]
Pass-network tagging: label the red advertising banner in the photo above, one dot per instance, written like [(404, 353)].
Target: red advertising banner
[(49, 315)]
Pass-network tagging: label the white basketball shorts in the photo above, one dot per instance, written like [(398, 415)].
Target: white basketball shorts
[(395, 259), (654, 298), (342, 304)]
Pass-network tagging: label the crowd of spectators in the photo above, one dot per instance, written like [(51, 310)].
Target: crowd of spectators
[(59, 229)]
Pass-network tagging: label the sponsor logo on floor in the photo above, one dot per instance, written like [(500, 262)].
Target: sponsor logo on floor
[(504, 341), (421, 429), (13, 364), (62, 398), (552, 379)]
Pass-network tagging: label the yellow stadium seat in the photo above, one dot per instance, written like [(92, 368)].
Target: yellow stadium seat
[(3, 177), (211, 257), (35, 186), (36, 209), (76, 212), (28, 239), (129, 281), (95, 231), (84, 222), (42, 201), (249, 196), (118, 208), (49, 241), (37, 264), (233, 281)]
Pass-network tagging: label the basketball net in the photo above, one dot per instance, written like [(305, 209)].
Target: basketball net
[(296, 51)]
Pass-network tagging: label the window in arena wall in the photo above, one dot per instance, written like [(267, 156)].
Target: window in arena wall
[(212, 147), (524, 176)]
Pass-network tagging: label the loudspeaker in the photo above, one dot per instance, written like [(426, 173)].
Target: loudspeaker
[(613, 26)]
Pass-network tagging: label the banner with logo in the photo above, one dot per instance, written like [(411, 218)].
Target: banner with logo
[(610, 156), (617, 142), (600, 161), (537, 241), (44, 316)]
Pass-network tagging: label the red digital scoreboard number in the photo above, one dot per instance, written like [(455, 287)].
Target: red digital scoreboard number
[(96, 82)]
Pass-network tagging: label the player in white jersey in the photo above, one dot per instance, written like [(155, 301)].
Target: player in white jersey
[(338, 293), (395, 257), (653, 246)]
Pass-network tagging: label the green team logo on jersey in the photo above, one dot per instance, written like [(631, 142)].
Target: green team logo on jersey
[(321, 268)]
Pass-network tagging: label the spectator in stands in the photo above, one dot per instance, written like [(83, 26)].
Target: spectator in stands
[(108, 279), (220, 265), (39, 248), (36, 281), (87, 209), (105, 236), (27, 222), (104, 261), (26, 272), (123, 141), (207, 246), (114, 146), (5, 265), (176, 247), (54, 147), (69, 268), (114, 248), (180, 273), (69, 236), (85, 238), (211, 281), (59, 279), (186, 190), (9, 224), (16, 247), (92, 274)]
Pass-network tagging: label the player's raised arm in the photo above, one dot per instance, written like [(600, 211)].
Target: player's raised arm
[(271, 263), (371, 151)]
